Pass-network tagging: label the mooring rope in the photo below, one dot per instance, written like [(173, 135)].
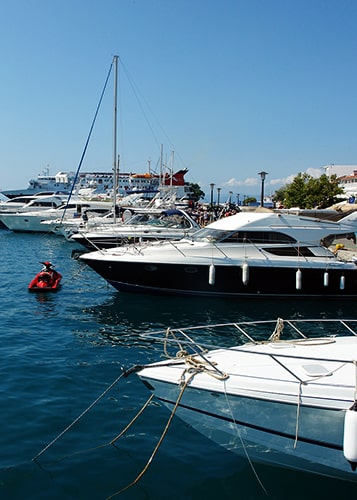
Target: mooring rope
[(243, 444), (298, 415), (112, 442), (279, 327), (140, 475), (78, 418), (152, 456), (307, 382), (190, 359), (193, 367), (126, 428)]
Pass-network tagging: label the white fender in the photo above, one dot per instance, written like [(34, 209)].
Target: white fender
[(350, 435), (245, 273), (342, 283), (212, 275), (298, 280), (326, 278)]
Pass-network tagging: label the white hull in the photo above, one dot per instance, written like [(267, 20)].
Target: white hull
[(245, 433), (281, 403), (33, 222)]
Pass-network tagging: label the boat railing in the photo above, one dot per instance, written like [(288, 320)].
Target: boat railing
[(196, 340)]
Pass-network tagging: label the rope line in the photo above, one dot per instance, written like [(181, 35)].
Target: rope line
[(243, 444), (152, 456), (298, 415), (140, 412), (78, 418), (94, 448), (87, 141)]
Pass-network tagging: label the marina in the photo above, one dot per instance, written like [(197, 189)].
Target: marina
[(178, 231), (62, 351), (108, 391)]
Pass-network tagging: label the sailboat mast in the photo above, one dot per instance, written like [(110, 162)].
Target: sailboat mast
[(161, 166), (172, 167), (115, 173)]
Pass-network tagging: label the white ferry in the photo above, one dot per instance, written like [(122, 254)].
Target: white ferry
[(101, 184)]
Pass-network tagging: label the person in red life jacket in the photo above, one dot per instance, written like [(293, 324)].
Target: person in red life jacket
[(48, 268), (46, 279)]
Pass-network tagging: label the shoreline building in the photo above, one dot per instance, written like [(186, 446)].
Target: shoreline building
[(347, 176)]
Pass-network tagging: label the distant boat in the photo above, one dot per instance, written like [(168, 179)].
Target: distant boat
[(60, 183), (149, 225), (3, 198), (31, 221), (28, 203)]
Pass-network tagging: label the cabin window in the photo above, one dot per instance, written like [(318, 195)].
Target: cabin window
[(291, 251), (44, 204), (258, 237)]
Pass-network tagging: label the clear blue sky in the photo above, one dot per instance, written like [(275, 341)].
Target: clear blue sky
[(233, 87)]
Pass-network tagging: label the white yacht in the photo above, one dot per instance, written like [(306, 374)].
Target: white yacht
[(282, 392), (31, 221), (250, 254)]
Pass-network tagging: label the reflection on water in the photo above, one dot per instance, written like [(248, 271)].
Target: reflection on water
[(123, 317), (151, 310), (44, 297)]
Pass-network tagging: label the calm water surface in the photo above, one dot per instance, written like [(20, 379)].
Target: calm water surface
[(59, 352)]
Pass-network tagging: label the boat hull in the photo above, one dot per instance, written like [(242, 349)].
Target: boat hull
[(280, 402), (265, 431), (263, 282)]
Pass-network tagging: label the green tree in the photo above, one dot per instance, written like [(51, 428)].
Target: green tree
[(306, 191), (197, 193), (250, 199)]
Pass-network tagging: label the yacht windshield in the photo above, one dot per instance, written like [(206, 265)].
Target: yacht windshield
[(257, 237), (172, 220), (206, 234)]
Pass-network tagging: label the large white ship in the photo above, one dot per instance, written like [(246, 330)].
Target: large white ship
[(101, 184)]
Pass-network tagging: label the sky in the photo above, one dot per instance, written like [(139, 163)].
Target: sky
[(227, 88)]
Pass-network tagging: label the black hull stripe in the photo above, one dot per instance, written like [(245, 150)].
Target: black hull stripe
[(127, 287), (314, 442)]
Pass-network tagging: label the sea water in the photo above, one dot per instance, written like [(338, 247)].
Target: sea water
[(61, 351)]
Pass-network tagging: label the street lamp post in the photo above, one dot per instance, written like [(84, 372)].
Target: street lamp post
[(212, 186), (218, 195), (262, 176)]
